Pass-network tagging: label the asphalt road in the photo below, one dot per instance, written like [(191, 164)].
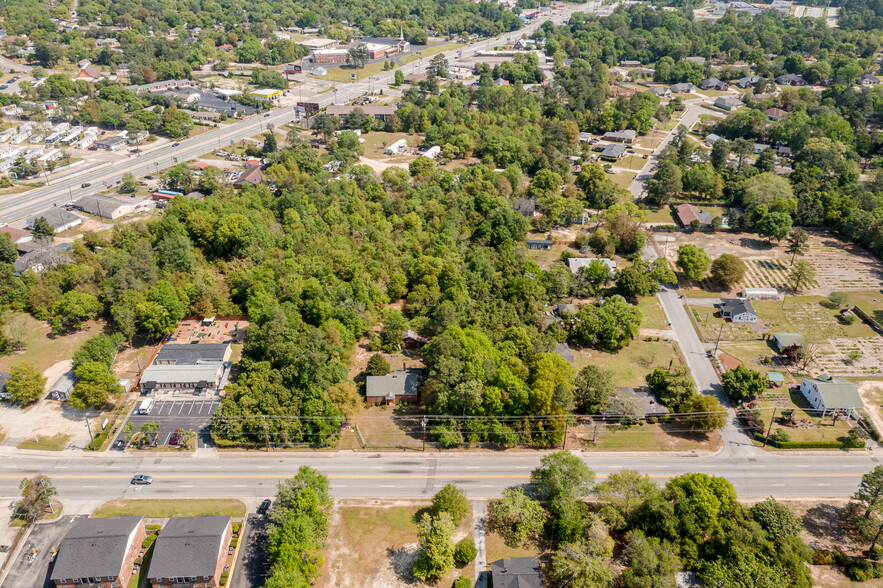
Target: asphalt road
[(17, 206), (755, 475), (43, 538)]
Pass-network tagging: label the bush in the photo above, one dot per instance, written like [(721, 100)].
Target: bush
[(781, 436), (153, 527), (464, 552), (148, 541), (224, 576), (821, 557), (852, 440), (876, 553), (236, 527), (234, 542), (859, 570), (462, 582)]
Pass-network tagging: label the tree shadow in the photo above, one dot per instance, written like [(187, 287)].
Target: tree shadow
[(418, 514), (752, 243), (824, 521), (402, 560)]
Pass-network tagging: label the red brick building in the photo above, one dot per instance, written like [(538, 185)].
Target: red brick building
[(99, 553), (191, 552)]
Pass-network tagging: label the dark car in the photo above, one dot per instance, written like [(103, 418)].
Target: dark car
[(120, 444), (173, 440), (148, 177), (85, 185), (175, 144), (142, 479), (265, 506), (266, 115)]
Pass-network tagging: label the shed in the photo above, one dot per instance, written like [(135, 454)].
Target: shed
[(63, 386), (785, 340), (539, 244), (760, 293), (776, 379)]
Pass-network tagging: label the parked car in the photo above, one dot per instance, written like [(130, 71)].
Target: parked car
[(265, 506), (148, 177), (175, 144), (173, 440), (141, 479), (120, 444)]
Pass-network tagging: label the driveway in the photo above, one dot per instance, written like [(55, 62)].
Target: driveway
[(252, 562), (44, 536), (180, 414)]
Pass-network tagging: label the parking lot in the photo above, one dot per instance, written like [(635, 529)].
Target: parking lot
[(180, 414), (43, 537)]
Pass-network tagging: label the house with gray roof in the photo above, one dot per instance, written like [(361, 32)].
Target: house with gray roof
[(729, 103), (737, 310), (517, 572), (99, 552), (827, 394), (682, 88), (191, 551), (714, 84), (626, 136), (58, 218), (748, 81), (791, 80), (612, 152), (193, 354), (400, 385), (105, 206)]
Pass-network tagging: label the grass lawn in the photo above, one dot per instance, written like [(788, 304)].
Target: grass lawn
[(622, 179), (159, 508), (374, 545), (805, 315), (659, 215), (376, 142), (429, 52), (55, 443), (713, 326), (653, 315), (746, 351), (496, 548), (57, 511), (631, 162), (871, 301), (544, 258), (651, 437), (631, 364), (379, 430), (344, 74), (822, 430), (43, 348)]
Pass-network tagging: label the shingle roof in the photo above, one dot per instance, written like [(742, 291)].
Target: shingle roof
[(189, 354), (837, 392), (94, 547), (100, 205), (734, 306), (189, 546), (517, 572), (398, 383), (575, 263), (57, 217)]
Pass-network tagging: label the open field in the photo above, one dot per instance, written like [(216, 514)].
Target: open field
[(631, 364), (644, 437), (374, 543), (429, 52), (158, 508), (45, 349), (54, 443), (840, 266), (496, 548), (622, 179), (344, 74)]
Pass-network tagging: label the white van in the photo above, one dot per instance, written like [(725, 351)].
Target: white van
[(145, 406)]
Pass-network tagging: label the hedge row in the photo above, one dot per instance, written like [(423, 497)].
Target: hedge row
[(857, 569), (800, 444)]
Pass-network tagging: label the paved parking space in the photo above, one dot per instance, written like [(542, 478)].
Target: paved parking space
[(180, 414), (43, 537), (252, 562)]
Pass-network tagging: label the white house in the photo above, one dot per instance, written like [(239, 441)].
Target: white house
[(738, 310), (826, 393)]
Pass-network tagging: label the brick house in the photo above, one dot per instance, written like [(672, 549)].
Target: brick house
[(191, 552), (99, 553)]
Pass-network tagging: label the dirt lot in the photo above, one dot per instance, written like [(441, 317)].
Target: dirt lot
[(374, 543), (222, 330), (840, 265)]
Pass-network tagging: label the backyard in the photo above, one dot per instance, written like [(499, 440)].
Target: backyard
[(374, 543)]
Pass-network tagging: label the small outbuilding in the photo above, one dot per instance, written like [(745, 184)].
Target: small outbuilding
[(785, 340)]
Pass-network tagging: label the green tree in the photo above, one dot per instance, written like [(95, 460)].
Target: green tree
[(377, 366), (325, 125), (72, 310), (728, 270), (742, 383), (626, 491), (585, 563), (516, 517), (36, 498), (705, 413), (452, 500), (591, 280), (798, 243), (150, 430), (766, 161), (673, 388), (358, 56), (869, 495), (94, 386), (776, 519), (652, 563), (562, 475), (270, 144), (42, 228), (399, 77), (666, 182), (421, 167), (8, 250), (642, 278), (774, 225), (592, 388), (130, 183), (693, 261), (465, 551), (435, 556), (101, 348), (802, 274), (25, 384)]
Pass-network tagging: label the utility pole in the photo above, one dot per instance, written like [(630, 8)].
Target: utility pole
[(423, 424), (770, 429), (564, 440), (266, 434), (89, 428), (717, 343)]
